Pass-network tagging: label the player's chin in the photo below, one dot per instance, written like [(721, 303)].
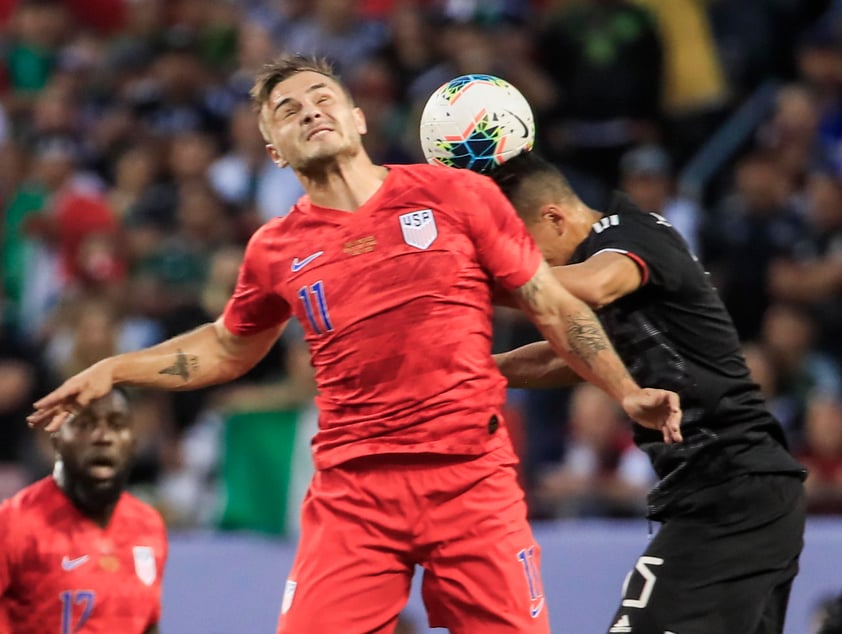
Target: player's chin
[(101, 492)]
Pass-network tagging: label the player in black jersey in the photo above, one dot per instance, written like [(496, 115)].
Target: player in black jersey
[(730, 497)]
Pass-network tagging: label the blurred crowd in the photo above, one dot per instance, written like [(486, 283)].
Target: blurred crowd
[(132, 173)]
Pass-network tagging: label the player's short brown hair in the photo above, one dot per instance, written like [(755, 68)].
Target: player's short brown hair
[(285, 67)]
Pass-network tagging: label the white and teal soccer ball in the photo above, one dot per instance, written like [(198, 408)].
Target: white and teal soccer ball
[(476, 122)]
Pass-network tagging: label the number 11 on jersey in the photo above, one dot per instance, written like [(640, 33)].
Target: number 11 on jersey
[(318, 302)]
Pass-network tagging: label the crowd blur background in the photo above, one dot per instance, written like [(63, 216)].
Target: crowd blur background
[(132, 174)]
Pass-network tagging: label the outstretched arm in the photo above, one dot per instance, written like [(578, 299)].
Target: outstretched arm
[(208, 355), (574, 332), (601, 279), (535, 366), (576, 335)]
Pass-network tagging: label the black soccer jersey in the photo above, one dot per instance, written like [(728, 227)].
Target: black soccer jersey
[(675, 333)]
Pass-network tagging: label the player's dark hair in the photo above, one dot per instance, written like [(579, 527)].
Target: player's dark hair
[(530, 181)]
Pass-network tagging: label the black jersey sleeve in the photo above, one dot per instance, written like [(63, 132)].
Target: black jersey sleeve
[(648, 239)]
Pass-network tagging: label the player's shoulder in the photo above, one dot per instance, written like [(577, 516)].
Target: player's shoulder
[(438, 175), (41, 498), (623, 212), (277, 226), (36, 495), (281, 225)]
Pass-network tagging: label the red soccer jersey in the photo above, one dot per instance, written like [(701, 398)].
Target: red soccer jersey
[(61, 573), (395, 299)]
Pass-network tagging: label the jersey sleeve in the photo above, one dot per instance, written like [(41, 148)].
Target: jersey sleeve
[(254, 306), (655, 248), (504, 246), (6, 549)]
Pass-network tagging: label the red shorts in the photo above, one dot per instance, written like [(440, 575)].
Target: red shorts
[(366, 524)]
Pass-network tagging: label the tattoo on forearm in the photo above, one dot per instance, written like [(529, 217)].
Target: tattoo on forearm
[(529, 291), (183, 365), (585, 336)]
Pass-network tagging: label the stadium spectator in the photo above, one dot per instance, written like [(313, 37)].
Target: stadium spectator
[(696, 92), (48, 221), (751, 227), (822, 454), (247, 179), (338, 30), (788, 335), (646, 175), (792, 134), (23, 373), (602, 474), (810, 275), (606, 59), (829, 616)]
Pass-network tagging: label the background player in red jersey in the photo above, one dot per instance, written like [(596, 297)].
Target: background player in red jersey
[(78, 553), (389, 270)]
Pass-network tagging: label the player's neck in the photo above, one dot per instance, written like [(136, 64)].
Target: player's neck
[(345, 185), (585, 219)]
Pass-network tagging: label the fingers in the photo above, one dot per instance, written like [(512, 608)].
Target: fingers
[(672, 424), (664, 409), (58, 420), (57, 397), (40, 417), (54, 417), (72, 391), (671, 429), (674, 421), (65, 402)]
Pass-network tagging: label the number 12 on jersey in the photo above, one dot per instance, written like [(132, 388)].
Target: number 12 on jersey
[(71, 598), (313, 298)]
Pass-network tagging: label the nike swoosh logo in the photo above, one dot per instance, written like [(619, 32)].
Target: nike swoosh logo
[(521, 122), (70, 564), (297, 264)]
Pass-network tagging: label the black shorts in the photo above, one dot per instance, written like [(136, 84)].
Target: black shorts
[(723, 565)]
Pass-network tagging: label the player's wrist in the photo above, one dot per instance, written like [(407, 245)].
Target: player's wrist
[(113, 368), (627, 389)]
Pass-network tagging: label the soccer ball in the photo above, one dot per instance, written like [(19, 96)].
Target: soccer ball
[(476, 122)]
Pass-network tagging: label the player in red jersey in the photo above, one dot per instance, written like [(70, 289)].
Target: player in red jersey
[(390, 270), (78, 553)]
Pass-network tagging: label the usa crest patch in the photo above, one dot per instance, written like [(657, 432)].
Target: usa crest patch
[(144, 564), (419, 228), (289, 593)]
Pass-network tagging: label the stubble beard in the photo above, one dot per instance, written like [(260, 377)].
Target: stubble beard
[(91, 494)]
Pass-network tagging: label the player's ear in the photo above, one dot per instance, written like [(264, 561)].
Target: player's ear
[(276, 156), (359, 121), (553, 215)]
